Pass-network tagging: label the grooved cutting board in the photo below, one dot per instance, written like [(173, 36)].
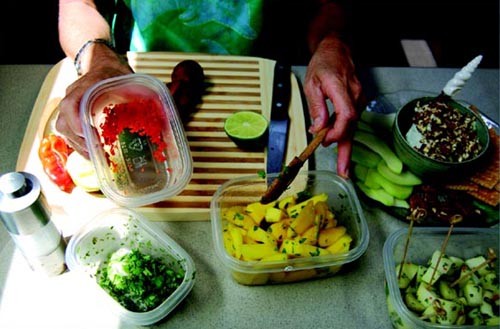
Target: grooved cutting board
[(235, 84)]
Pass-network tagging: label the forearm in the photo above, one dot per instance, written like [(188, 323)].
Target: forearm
[(79, 21), (329, 20)]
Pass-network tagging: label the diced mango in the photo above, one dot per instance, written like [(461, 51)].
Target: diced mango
[(286, 202), (228, 242), (237, 216), (278, 230), (257, 251), (292, 248), (247, 239), (308, 250), (257, 210), (295, 210), (330, 221), (310, 231), (274, 215), (299, 275), (310, 235), (330, 235), (303, 221), (277, 276), (321, 210), (341, 245), (296, 248), (237, 239), (275, 257), (250, 279), (262, 236)]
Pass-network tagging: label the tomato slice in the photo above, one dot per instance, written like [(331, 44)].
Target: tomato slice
[(53, 153)]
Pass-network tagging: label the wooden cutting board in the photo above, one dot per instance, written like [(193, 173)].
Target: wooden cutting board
[(236, 84)]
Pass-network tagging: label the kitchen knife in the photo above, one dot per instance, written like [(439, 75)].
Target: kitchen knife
[(278, 127)]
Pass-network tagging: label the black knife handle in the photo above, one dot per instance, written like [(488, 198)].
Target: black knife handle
[(281, 91)]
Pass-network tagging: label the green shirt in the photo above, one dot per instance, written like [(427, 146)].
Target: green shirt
[(273, 29), (208, 26)]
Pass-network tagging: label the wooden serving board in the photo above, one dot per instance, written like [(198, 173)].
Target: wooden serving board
[(235, 84)]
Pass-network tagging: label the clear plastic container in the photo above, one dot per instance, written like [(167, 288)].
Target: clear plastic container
[(90, 249), (463, 243), (341, 198), (135, 139)]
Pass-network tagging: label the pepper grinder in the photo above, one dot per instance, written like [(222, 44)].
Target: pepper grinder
[(24, 213)]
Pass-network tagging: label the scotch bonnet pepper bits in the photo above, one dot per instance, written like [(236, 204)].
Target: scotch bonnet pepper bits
[(135, 140)]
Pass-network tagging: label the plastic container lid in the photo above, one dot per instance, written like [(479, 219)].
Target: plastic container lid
[(135, 140)]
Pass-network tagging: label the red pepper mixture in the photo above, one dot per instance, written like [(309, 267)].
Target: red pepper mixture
[(144, 117), (53, 153)]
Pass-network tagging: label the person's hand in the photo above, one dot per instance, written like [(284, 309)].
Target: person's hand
[(68, 121), (331, 75)]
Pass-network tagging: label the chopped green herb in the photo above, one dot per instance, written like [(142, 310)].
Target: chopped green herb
[(139, 282), (315, 253), (304, 195)]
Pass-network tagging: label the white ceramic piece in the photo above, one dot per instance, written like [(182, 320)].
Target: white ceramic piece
[(458, 81)]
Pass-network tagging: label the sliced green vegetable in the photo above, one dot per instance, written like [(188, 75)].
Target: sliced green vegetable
[(364, 156), (446, 311), (360, 172), (431, 274), (486, 309), (490, 282), (425, 295), (441, 262), (406, 177), (494, 321), (407, 274), (371, 181), (397, 191), (446, 291), (413, 303), (379, 120), (379, 195), (476, 262), (380, 147), (474, 294), (361, 125), (399, 203), (420, 273)]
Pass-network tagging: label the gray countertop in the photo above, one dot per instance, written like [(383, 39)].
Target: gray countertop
[(354, 298)]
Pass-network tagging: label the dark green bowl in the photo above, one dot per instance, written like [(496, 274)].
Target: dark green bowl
[(424, 166)]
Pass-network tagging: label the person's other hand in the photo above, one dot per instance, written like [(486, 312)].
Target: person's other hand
[(331, 75), (68, 122)]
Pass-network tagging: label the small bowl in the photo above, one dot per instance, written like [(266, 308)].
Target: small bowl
[(341, 198), (90, 248), (463, 243), (425, 166), (135, 140)]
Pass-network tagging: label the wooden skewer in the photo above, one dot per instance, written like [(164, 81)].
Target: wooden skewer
[(491, 258), (288, 174), (454, 220), (415, 215)]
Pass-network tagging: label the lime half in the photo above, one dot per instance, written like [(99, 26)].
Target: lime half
[(246, 128)]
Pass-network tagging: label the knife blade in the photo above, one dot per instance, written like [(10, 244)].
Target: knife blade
[(278, 126)]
